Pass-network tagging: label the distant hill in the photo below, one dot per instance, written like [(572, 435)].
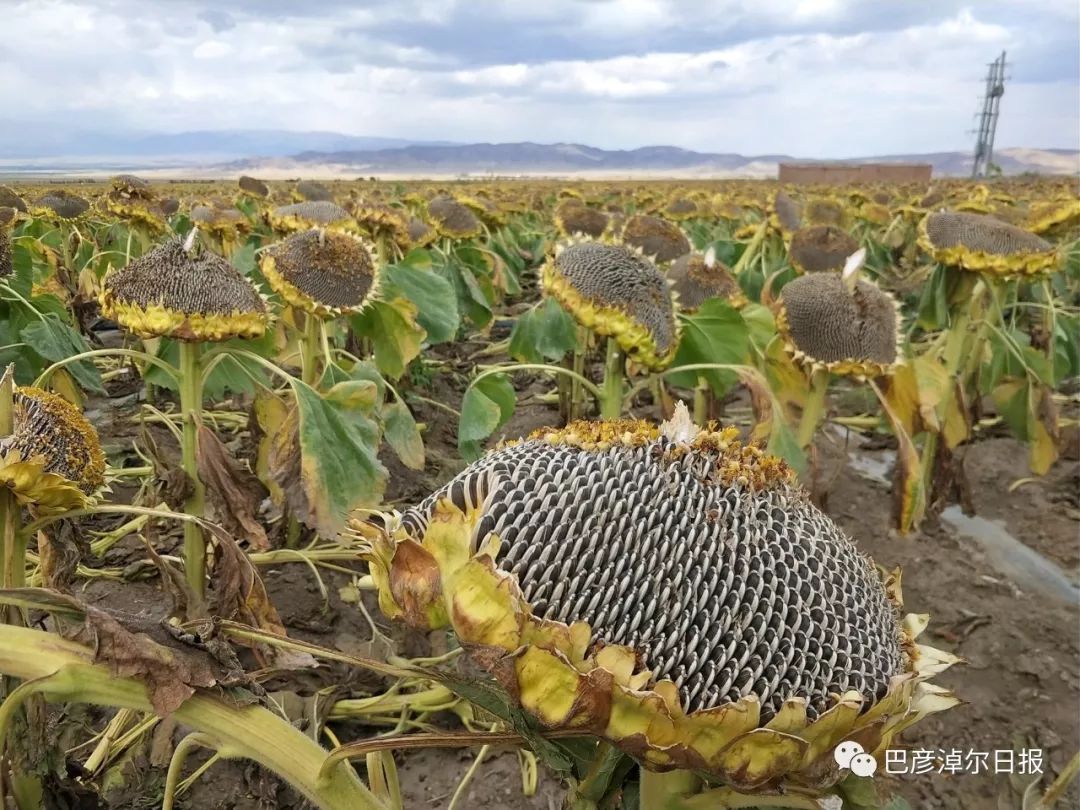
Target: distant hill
[(45, 144), (570, 158)]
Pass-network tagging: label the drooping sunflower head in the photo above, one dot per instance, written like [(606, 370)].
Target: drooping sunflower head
[(696, 278), (452, 219), (382, 222), (660, 240), (312, 191), (129, 185), (851, 329), (178, 290), (667, 589), (978, 242), (253, 187), (323, 272), (52, 461), (573, 217), (679, 209), (820, 248), (303, 216), (786, 213), (617, 292), (9, 199), (825, 211), (1047, 217), (484, 208), (420, 233), (60, 205), (138, 209)]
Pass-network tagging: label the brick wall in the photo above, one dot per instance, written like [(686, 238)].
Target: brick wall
[(854, 172)]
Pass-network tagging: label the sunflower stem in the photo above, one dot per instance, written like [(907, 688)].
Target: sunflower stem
[(579, 369), (666, 791), (701, 402), (612, 393), (309, 346), (191, 412), (814, 407), (13, 561)]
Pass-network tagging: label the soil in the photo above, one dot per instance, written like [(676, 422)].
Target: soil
[(1020, 684)]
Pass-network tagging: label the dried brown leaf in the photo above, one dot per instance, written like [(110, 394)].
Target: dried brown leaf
[(234, 492)]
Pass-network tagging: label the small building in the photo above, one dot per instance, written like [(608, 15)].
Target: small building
[(845, 173)]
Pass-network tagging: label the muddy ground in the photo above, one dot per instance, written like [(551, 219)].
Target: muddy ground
[(1018, 635)]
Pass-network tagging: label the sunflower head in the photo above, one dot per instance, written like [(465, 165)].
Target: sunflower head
[(303, 216), (978, 242), (322, 272), (420, 233), (452, 219), (128, 185), (135, 208), (847, 328), (825, 211), (617, 292), (820, 248), (786, 214), (669, 590), (679, 209), (660, 240), (573, 217), (695, 278), (380, 221), (52, 461), (9, 199), (312, 191), (253, 187), (180, 291), (60, 205)]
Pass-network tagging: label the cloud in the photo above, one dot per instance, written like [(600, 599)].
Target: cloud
[(826, 78)]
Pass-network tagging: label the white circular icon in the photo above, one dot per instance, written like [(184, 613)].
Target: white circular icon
[(863, 765), (846, 751)]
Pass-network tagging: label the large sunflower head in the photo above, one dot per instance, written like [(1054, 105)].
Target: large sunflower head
[(420, 233), (138, 209), (978, 242), (178, 290), (128, 185), (323, 272), (825, 211), (452, 219), (671, 591), (52, 461), (617, 292), (660, 240), (382, 222), (695, 278), (819, 248), (573, 217), (303, 216), (60, 205), (845, 325), (679, 209)]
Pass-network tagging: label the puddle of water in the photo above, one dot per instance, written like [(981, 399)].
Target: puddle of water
[(1026, 567)]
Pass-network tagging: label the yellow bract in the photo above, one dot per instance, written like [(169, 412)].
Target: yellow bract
[(158, 320), (999, 264), (561, 678)]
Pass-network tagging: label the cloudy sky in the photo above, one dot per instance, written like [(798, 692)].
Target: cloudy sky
[(815, 78)]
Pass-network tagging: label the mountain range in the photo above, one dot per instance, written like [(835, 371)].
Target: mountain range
[(278, 153)]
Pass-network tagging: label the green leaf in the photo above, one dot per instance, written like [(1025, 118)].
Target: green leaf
[(545, 332), (55, 340), (934, 305), (243, 258), (402, 434), (760, 324), (434, 297), (339, 470), (394, 334), (231, 375), (487, 406), (716, 333)]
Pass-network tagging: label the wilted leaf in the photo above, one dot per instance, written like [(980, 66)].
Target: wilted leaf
[(1043, 447), (716, 333), (394, 333), (324, 460), (544, 332), (240, 596), (401, 433), (436, 304), (55, 340), (270, 412), (234, 492), (909, 486), (488, 405)]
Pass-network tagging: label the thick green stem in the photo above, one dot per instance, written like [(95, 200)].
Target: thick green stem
[(666, 791), (579, 369), (701, 402), (814, 408), (191, 412), (309, 349), (13, 561), (612, 393)]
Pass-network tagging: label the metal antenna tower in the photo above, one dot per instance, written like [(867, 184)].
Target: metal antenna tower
[(984, 144)]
